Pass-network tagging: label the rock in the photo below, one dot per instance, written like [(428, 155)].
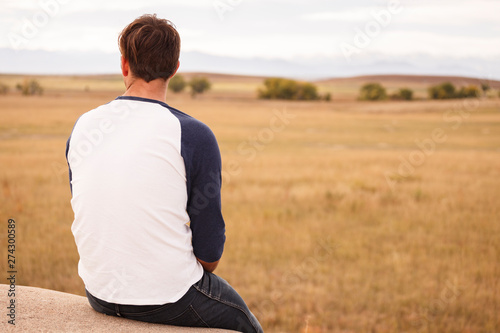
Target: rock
[(43, 310)]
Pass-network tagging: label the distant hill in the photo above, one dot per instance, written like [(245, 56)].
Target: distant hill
[(421, 81), (313, 67), (411, 80), (227, 78)]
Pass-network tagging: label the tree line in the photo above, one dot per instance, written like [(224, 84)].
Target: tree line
[(28, 87), (376, 92), (279, 88), (287, 89)]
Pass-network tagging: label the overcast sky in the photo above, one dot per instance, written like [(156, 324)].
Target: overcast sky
[(265, 28)]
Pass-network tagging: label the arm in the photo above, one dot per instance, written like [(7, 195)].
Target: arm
[(209, 266), (203, 180)]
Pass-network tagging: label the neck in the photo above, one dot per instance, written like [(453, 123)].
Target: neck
[(156, 89)]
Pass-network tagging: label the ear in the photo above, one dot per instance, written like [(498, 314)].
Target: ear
[(125, 67), (176, 69)]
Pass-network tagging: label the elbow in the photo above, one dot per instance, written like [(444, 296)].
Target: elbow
[(209, 266)]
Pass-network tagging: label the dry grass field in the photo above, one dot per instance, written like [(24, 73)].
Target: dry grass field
[(341, 217)]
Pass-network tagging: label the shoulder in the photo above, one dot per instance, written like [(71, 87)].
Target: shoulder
[(92, 114), (199, 147), (192, 129)]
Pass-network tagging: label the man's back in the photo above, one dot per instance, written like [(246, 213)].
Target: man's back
[(129, 162), (146, 183)]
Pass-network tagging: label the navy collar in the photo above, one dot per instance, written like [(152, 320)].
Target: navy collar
[(142, 99)]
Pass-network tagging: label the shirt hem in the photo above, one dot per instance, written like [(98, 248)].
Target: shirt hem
[(148, 301)]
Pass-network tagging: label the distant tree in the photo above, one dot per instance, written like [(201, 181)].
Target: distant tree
[(444, 90), (468, 92), (199, 85), (406, 94), (4, 89), (433, 92), (177, 83), (279, 88), (485, 86), (307, 91), (30, 87), (372, 92), (448, 89), (327, 97), (403, 94)]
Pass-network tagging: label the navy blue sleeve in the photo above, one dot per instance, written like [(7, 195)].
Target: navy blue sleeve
[(69, 167), (67, 151), (202, 159)]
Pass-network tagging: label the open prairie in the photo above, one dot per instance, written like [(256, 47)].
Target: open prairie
[(341, 216)]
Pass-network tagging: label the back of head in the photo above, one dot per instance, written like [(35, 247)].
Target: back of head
[(151, 46)]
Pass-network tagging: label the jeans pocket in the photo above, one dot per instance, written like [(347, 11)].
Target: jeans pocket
[(189, 318)]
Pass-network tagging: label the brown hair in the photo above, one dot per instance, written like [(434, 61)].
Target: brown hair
[(151, 46)]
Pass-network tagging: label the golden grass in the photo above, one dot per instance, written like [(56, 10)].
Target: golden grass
[(319, 238)]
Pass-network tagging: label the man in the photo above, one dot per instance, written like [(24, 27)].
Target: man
[(145, 180)]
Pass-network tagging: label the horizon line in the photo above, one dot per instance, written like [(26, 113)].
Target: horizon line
[(317, 79)]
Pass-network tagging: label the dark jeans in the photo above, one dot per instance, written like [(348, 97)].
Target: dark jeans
[(210, 302)]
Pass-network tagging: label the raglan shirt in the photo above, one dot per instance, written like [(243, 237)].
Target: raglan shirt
[(145, 181)]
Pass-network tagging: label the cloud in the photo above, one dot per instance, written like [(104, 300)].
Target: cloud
[(267, 28), (124, 5), (464, 14), (336, 16), (407, 42)]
